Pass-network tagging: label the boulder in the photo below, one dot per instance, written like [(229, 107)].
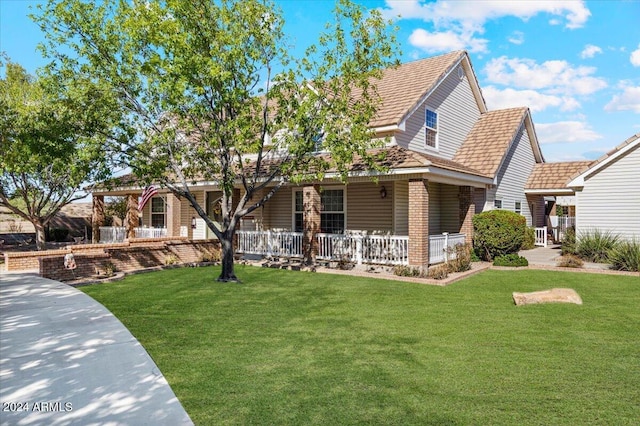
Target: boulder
[(555, 295)]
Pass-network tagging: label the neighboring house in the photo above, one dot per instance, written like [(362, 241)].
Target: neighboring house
[(607, 192), (448, 156)]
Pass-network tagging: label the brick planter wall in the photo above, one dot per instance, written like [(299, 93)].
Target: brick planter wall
[(129, 256)]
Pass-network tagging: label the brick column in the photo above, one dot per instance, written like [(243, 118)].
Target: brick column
[(173, 215), (132, 215), (418, 222), (467, 209), (311, 219), (97, 217)]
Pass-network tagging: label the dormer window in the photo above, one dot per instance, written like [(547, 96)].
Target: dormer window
[(431, 128)]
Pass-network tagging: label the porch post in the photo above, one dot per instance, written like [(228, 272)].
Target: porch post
[(467, 211), (132, 215), (173, 215), (97, 217), (419, 222), (311, 221)]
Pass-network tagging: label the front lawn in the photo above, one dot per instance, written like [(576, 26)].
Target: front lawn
[(291, 348)]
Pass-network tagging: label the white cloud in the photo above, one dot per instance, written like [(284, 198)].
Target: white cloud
[(628, 100), (466, 19), (635, 57), (447, 40), (517, 37), (555, 77), (536, 101), (566, 132), (590, 51)]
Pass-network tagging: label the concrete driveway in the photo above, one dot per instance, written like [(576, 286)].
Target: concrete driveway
[(66, 360)]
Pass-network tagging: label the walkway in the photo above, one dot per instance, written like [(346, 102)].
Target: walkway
[(548, 256), (66, 360)]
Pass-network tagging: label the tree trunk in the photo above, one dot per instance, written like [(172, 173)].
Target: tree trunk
[(40, 234), (227, 274)]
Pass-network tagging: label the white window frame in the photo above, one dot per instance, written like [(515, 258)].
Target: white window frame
[(516, 208), (496, 202), (428, 129), (158, 213), (343, 188), (293, 208)]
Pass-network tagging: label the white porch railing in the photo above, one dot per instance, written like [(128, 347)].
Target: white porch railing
[(270, 243), (564, 223), (117, 234), (541, 236), (438, 245), (357, 248)]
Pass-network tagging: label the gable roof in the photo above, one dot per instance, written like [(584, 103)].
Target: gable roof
[(616, 153), (403, 88), (487, 144), (550, 178)]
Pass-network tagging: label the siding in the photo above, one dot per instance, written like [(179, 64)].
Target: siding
[(278, 211), (187, 212), (450, 211), (434, 208), (513, 175), (366, 211), (457, 113), (610, 199), (401, 208), (479, 198)]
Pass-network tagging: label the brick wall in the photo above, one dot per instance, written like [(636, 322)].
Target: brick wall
[(467, 211), (129, 256)]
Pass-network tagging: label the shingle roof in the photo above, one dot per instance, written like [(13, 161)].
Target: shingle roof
[(488, 141), (402, 88), (552, 176)]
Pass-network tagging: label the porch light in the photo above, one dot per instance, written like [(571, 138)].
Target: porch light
[(193, 222), (383, 192)]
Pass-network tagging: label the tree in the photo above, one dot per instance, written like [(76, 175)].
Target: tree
[(211, 93), (48, 144)]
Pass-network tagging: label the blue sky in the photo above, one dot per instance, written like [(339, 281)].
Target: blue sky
[(575, 64)]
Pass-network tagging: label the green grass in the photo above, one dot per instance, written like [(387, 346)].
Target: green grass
[(301, 348)]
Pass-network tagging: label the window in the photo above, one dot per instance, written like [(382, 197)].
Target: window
[(298, 211), (332, 211), (431, 128), (518, 208), (497, 204), (157, 212)]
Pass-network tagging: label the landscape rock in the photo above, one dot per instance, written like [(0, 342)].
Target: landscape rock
[(555, 295)]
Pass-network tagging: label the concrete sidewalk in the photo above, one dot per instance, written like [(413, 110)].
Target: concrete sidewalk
[(66, 360), (549, 256)]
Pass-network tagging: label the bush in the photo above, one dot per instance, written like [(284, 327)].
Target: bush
[(408, 271), (209, 256), (568, 245), (510, 260), (529, 242), (625, 256), (595, 246), (474, 256), (498, 232), (462, 260), (570, 261), (439, 272)]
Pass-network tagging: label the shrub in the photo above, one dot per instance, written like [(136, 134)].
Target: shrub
[(625, 256), (510, 260), (570, 261), (529, 239), (498, 232), (408, 271), (170, 259), (595, 246), (209, 256), (568, 245), (460, 256), (109, 268), (438, 272)]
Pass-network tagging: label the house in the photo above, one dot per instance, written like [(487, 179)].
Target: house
[(607, 193), (449, 158)]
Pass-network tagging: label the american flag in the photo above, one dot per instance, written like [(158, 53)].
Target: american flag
[(148, 192)]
